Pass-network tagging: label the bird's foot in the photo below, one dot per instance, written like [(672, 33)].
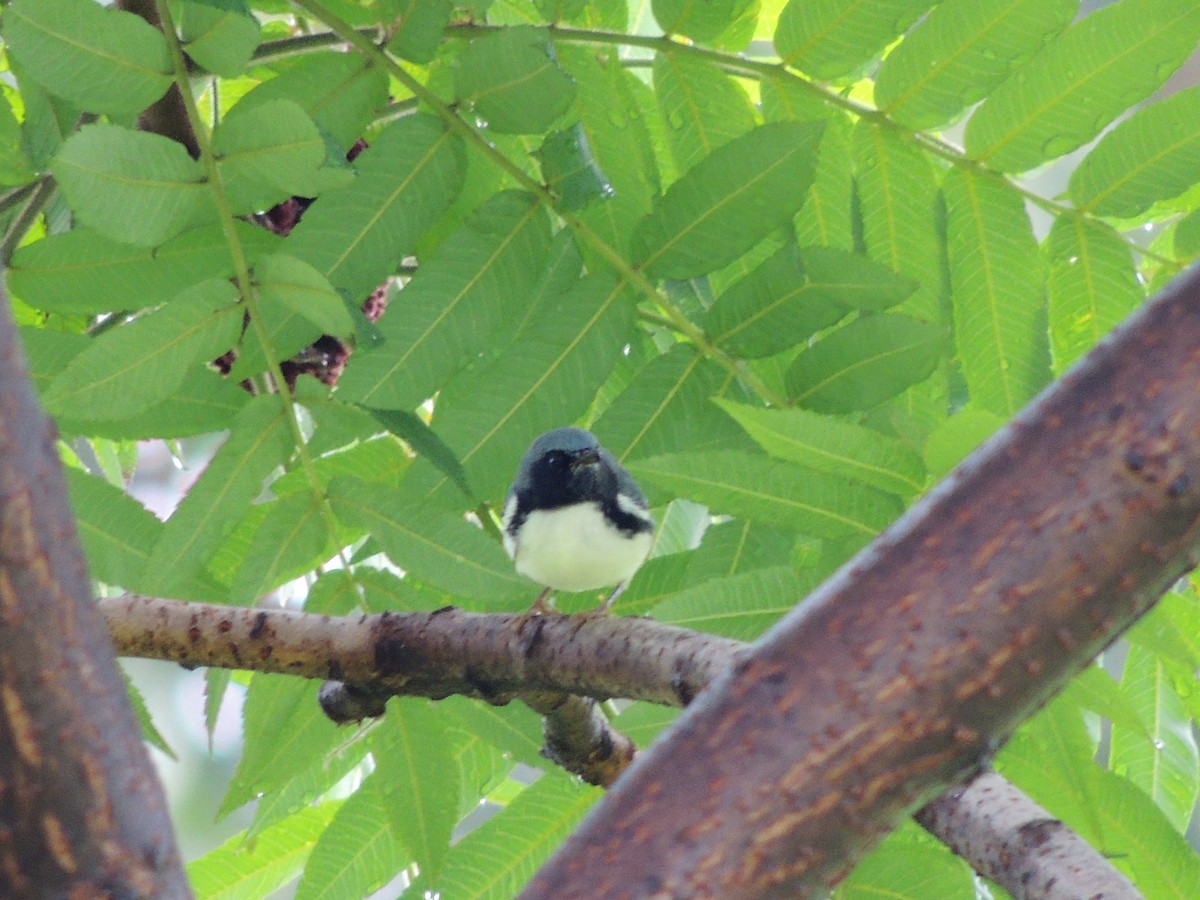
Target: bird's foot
[(599, 612), (540, 607)]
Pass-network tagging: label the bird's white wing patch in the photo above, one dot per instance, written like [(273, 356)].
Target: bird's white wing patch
[(633, 508), (510, 510)]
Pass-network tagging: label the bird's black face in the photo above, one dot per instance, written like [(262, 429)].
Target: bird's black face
[(564, 477)]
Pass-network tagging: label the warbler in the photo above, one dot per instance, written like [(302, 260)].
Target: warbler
[(574, 519)]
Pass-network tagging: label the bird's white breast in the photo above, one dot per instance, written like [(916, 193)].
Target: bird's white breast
[(573, 548)]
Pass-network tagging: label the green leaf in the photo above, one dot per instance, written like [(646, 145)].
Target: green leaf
[(422, 23), (907, 868), (796, 293), (291, 539), (1092, 285), (729, 201), (514, 81), (411, 429), (832, 445), (116, 532), (286, 734), (295, 284), (703, 107), (83, 272), (618, 139), (269, 153), (1165, 763), (740, 606), (385, 460), (954, 439), (141, 362), (865, 362), (406, 180), (1051, 759), (15, 165), (560, 10), (665, 409), (756, 487), (1069, 91), (259, 442), (1143, 843), (548, 373), (1171, 629), (463, 300), (204, 402), (1151, 156), (150, 734), (339, 91), (433, 547), (132, 186), (515, 729), (249, 870), (901, 225), (219, 35), (497, 858), (414, 754), (1095, 690), (49, 352), (104, 60), (996, 274), (317, 775), (357, 854), (296, 305), (829, 217), (828, 38), (699, 21), (570, 169), (960, 51), (1187, 236)]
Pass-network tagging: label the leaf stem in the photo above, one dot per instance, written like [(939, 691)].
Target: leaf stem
[(242, 278), (32, 197)]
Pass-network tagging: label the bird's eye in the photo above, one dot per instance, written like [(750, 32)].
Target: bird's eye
[(556, 458)]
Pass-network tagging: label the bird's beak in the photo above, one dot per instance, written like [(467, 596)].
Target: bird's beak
[(585, 458)]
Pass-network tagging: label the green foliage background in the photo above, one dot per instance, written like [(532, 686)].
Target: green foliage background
[(783, 283)]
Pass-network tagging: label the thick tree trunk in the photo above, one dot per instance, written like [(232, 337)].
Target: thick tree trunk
[(82, 814)]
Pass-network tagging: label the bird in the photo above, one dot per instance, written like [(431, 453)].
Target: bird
[(574, 519)]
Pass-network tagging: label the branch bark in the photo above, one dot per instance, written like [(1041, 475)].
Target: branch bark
[(483, 656), (904, 672), (81, 810), (1017, 844)]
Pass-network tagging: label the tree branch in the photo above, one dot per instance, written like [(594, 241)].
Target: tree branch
[(430, 654), (906, 670), (1017, 844), (483, 656)]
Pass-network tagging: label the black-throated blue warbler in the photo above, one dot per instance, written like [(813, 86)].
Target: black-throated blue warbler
[(574, 519)]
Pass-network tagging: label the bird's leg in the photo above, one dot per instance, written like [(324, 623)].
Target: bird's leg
[(539, 608), (617, 591), (582, 618)]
